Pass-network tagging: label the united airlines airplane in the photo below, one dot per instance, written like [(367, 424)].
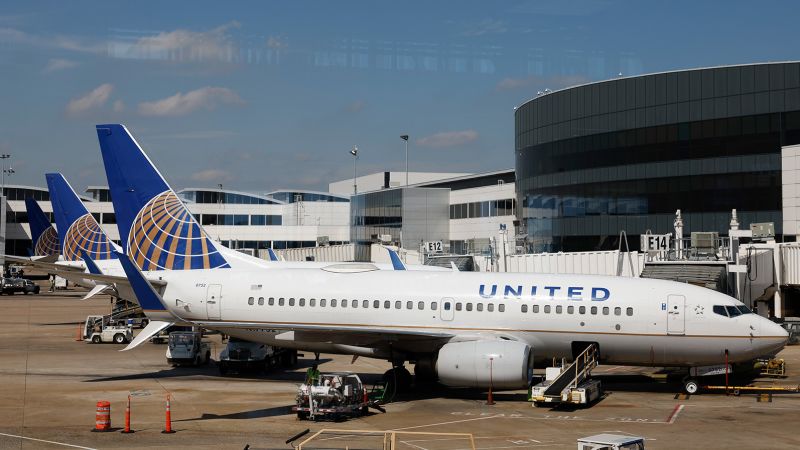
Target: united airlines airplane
[(450, 324), (43, 234)]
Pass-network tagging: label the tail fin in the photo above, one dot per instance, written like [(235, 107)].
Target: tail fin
[(272, 255), (157, 231), (43, 234), (79, 232)]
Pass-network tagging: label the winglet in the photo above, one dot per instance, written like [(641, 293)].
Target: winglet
[(396, 262), (272, 255), (148, 298), (91, 265)]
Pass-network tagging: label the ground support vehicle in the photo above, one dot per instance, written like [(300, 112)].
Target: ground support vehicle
[(99, 329), (334, 396), (607, 441), (569, 383), (11, 286), (240, 355), (188, 348)]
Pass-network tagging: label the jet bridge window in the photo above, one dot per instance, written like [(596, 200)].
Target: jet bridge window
[(250, 301), (291, 301), (629, 311), (260, 301), (617, 311), (271, 301), (490, 307), (458, 306), (524, 308), (280, 301)]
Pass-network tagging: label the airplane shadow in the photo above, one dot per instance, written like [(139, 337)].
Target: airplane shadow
[(254, 414)]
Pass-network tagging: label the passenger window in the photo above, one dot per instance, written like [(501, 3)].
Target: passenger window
[(582, 310), (420, 305), (535, 309), (524, 308), (479, 306), (490, 307), (433, 306), (271, 301), (250, 300), (354, 304), (570, 310), (733, 311), (458, 306), (594, 310), (312, 302), (302, 302), (469, 306), (629, 311), (376, 304), (344, 303), (719, 309), (547, 309), (605, 310), (322, 302), (409, 305), (291, 301), (398, 304), (446, 306), (364, 303), (260, 301), (559, 309), (502, 307), (617, 311), (333, 303), (387, 304), (280, 301)]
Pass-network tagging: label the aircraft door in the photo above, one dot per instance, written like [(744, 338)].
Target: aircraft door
[(676, 314), (214, 301), (446, 308)]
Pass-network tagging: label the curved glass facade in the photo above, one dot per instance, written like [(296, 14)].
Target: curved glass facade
[(624, 154)]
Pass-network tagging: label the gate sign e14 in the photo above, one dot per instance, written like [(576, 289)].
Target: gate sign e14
[(433, 247), (656, 242)]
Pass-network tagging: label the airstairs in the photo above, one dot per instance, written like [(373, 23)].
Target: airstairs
[(573, 383)]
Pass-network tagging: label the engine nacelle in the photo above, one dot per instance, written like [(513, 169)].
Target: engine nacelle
[(468, 364)]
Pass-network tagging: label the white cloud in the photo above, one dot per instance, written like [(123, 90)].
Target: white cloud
[(448, 139), (193, 45), (56, 64), (62, 42), (180, 104), (94, 99), (211, 175), (119, 106)]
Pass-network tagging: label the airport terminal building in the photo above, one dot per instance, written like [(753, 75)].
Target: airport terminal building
[(626, 153)]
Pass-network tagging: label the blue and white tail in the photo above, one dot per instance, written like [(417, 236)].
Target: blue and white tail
[(157, 231), (43, 234), (78, 231)]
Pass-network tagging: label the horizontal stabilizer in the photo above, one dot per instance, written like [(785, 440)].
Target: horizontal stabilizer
[(147, 332)]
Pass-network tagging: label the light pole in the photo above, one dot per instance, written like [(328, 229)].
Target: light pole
[(405, 138), (354, 152), (4, 157)]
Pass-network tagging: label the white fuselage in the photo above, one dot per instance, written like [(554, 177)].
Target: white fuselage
[(634, 321)]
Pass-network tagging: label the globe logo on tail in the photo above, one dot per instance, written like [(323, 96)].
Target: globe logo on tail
[(86, 236), (164, 235), (47, 244)]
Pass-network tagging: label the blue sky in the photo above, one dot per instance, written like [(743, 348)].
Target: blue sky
[(265, 95)]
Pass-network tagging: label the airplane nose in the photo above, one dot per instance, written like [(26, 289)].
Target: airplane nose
[(772, 337)]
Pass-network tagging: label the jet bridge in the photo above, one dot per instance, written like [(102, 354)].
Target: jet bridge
[(570, 384)]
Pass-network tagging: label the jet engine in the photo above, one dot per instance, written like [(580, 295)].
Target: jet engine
[(472, 363)]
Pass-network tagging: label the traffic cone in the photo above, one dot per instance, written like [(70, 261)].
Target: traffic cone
[(168, 420), (127, 429)]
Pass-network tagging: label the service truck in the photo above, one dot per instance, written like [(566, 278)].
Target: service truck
[(188, 348), (99, 329), (240, 355)]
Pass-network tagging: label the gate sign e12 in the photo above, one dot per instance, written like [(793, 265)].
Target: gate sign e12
[(433, 247), (656, 242)]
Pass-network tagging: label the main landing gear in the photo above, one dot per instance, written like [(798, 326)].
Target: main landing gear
[(398, 379)]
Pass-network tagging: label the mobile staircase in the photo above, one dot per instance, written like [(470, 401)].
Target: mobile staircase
[(570, 384)]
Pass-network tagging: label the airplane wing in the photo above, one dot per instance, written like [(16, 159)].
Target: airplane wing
[(42, 264)]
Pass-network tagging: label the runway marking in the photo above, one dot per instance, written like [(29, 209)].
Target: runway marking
[(447, 423), (674, 415), (45, 441)]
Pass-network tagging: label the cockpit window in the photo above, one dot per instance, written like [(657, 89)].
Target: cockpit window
[(744, 309), (733, 311), (720, 309)]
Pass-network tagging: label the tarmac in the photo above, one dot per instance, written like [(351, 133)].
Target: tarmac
[(50, 383)]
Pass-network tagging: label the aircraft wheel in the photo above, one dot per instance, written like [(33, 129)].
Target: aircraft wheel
[(690, 386)]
